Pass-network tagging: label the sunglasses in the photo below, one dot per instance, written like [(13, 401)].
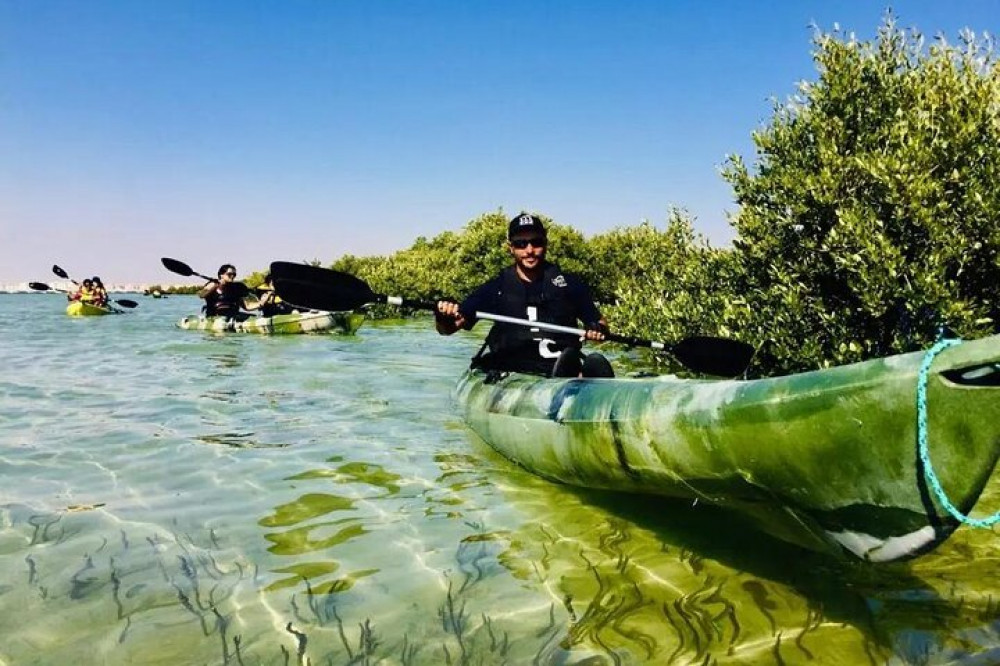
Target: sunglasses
[(521, 243), (230, 274)]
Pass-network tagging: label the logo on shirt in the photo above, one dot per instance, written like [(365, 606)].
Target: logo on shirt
[(559, 281)]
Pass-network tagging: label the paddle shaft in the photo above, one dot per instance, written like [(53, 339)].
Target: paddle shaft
[(203, 277), (556, 328), (372, 297), (541, 325)]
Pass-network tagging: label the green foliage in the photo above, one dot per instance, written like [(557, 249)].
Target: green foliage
[(871, 214), (421, 271), (667, 283), (354, 265), (255, 279), (479, 253)]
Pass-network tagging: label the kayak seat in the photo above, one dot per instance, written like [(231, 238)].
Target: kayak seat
[(595, 365), (573, 363)]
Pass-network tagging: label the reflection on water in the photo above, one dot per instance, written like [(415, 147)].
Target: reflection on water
[(226, 361), (355, 472), (315, 501), (222, 396), (238, 440)]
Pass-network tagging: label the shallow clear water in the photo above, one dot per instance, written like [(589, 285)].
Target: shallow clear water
[(170, 497)]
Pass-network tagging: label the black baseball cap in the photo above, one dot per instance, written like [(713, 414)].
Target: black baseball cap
[(525, 222)]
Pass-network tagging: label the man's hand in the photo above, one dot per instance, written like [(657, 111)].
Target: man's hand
[(447, 318), (596, 331)]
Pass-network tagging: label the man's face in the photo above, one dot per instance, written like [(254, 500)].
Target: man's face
[(528, 249), (228, 276)]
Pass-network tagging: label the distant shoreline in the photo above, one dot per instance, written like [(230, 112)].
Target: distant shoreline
[(121, 288)]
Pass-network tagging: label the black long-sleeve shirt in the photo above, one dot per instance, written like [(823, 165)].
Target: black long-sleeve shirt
[(487, 299)]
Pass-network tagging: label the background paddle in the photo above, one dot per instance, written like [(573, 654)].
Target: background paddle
[(61, 273), (179, 267), (324, 289), (41, 286)]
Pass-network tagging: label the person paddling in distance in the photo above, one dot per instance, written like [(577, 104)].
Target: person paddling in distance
[(100, 293), (84, 293), (270, 303), (535, 289), (223, 297)]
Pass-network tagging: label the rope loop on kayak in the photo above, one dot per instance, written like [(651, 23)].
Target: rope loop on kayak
[(932, 479)]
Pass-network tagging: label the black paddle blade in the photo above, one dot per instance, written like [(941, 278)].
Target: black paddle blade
[(60, 272), (39, 286), (320, 288), (720, 357), (178, 267), (126, 303), (287, 270), (318, 296)]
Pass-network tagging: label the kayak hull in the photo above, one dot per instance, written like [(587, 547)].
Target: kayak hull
[(80, 309), (344, 323), (827, 459)]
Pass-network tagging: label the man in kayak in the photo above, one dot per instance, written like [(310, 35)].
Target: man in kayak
[(224, 296), (537, 290)]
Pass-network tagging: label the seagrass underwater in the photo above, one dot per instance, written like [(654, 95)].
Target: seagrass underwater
[(182, 497)]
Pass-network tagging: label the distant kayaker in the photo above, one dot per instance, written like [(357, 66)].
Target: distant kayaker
[(100, 293), (270, 303), (537, 290), (84, 293), (224, 296)]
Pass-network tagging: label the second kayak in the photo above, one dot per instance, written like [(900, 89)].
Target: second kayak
[(345, 323)]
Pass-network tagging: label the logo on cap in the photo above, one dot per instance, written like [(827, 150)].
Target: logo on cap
[(526, 220)]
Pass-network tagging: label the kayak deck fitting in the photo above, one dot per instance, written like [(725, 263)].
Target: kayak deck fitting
[(345, 323), (825, 459)]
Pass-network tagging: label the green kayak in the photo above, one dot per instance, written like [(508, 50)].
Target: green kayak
[(346, 323), (826, 459)]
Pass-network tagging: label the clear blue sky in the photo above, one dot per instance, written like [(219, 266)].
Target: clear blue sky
[(240, 131)]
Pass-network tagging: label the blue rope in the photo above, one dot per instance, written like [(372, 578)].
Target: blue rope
[(925, 458)]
